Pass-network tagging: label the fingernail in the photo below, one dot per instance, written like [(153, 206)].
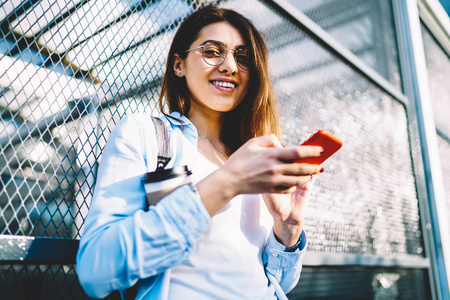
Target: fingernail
[(321, 170), (283, 145)]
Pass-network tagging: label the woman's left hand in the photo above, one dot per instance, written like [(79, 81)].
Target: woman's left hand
[(288, 212)]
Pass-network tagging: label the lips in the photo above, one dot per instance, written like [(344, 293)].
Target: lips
[(225, 84)]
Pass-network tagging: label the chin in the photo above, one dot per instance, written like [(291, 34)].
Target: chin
[(227, 106)]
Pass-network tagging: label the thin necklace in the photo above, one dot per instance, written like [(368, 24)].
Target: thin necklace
[(209, 142)]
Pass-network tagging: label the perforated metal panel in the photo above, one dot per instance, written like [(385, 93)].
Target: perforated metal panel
[(364, 27), (365, 202)]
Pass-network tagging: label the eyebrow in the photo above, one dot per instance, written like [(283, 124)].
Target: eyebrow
[(214, 41)]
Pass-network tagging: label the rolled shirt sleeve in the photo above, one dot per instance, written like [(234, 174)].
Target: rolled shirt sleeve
[(283, 268), (121, 242)]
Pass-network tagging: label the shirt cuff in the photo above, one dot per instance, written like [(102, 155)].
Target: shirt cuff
[(284, 266), (300, 244), (274, 244)]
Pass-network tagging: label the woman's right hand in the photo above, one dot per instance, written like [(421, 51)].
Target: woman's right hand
[(261, 165)]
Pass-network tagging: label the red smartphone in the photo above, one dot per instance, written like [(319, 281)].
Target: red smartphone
[(327, 141)]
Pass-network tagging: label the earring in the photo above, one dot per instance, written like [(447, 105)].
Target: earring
[(179, 73)]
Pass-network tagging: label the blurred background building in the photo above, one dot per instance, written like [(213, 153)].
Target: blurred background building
[(374, 72)]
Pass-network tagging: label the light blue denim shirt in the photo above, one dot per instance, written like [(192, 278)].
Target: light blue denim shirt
[(122, 243)]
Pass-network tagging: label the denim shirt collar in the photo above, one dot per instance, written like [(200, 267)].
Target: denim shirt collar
[(177, 120)]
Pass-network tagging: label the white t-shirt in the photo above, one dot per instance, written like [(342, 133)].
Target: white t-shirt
[(227, 259)]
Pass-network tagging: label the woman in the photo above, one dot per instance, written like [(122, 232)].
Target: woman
[(217, 239)]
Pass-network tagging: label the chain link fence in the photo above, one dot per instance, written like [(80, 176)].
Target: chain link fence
[(69, 70)]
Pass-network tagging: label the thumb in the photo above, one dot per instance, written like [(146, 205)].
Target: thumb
[(269, 140)]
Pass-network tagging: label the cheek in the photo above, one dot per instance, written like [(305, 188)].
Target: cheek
[(197, 85), (197, 76)]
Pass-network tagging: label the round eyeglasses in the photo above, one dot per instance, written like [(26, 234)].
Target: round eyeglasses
[(214, 54)]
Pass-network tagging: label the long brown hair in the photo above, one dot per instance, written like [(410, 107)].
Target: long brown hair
[(257, 114)]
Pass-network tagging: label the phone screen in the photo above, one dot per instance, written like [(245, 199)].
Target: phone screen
[(327, 141)]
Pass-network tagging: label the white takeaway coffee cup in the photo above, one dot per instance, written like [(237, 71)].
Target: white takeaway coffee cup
[(160, 183)]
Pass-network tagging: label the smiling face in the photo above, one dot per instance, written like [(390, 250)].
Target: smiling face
[(214, 88)]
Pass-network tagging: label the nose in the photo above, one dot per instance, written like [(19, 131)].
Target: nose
[(229, 64)]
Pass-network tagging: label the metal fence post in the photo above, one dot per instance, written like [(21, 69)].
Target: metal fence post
[(415, 79)]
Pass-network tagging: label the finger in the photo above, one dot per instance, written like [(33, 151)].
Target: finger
[(297, 169), (303, 190), (269, 140), (288, 181), (292, 154), (280, 189)]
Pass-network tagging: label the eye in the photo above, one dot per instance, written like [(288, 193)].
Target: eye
[(242, 57), (212, 51)]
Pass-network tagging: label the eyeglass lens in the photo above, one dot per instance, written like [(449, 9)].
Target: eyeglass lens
[(215, 54)]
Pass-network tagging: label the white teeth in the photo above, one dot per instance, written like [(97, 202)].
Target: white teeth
[(224, 84)]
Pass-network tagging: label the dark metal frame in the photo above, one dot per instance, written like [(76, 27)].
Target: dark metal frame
[(31, 250), (416, 84)]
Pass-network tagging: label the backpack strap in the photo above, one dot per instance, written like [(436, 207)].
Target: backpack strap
[(163, 141)]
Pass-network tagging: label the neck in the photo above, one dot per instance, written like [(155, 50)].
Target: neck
[(209, 125), (209, 128)]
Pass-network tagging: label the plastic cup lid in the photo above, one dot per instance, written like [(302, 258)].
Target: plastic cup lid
[(165, 174)]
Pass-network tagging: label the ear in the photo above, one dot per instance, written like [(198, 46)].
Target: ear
[(178, 65)]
